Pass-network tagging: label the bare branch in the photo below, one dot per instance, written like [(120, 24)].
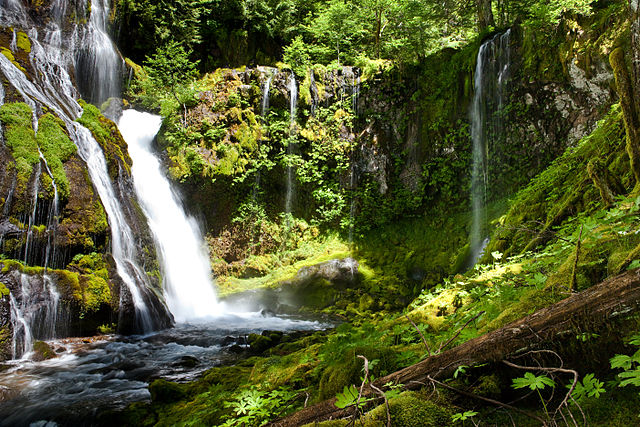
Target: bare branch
[(424, 341), (486, 399), (443, 346)]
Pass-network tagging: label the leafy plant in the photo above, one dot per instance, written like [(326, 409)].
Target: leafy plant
[(254, 407), (589, 387), (629, 364), (463, 416), (534, 382)]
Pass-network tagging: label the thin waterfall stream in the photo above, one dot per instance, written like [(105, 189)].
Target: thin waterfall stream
[(291, 169), (490, 80)]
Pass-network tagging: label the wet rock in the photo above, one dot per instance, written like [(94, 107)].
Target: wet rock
[(187, 362), (43, 351), (340, 272), (236, 349), (165, 391), (227, 341), (8, 229)]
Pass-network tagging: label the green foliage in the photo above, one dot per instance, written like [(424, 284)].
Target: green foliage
[(629, 364), (296, 55), (463, 416), (348, 397), (170, 67), (534, 382), (254, 407), (588, 387)]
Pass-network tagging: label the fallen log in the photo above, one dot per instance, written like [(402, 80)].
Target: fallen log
[(595, 306)]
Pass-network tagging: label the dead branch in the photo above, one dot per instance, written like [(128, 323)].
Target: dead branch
[(486, 399), (443, 346), (424, 341)]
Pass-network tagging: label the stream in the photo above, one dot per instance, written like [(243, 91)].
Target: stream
[(92, 375)]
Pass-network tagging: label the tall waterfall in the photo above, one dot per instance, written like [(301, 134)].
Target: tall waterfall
[(291, 171), (491, 75), (51, 87), (98, 65), (185, 263)]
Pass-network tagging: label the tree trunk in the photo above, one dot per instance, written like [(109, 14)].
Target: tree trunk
[(485, 14), (606, 183), (592, 308), (630, 107), (378, 31), (634, 7)]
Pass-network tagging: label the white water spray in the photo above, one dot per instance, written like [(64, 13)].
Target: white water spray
[(189, 290)]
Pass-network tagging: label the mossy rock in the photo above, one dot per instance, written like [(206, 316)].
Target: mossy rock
[(42, 351), (410, 409), (4, 291), (108, 136), (166, 392), (260, 343)]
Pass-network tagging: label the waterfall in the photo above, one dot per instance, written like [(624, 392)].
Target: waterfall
[(35, 316), (491, 75), (265, 95), (52, 88), (264, 113), (98, 65), (355, 93), (186, 270), (293, 96)]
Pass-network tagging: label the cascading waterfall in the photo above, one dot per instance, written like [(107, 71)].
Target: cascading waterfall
[(188, 287), (53, 88), (98, 65), (265, 95), (355, 95), (36, 315), (491, 75), (293, 96), (265, 111)]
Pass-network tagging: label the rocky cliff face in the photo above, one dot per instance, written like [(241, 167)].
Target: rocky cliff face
[(396, 144), (55, 234)]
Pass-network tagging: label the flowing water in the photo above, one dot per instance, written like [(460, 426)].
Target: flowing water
[(491, 76), (91, 376), (186, 272), (98, 65), (291, 171), (52, 88)]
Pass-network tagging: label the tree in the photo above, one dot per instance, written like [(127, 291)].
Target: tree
[(170, 68), (485, 14)]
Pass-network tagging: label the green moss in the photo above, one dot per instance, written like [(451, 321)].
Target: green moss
[(21, 140), (165, 391), (43, 351), (563, 189), (410, 409), (23, 42), (108, 136), (9, 55), (96, 292), (4, 291), (88, 291), (529, 302), (57, 147)]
